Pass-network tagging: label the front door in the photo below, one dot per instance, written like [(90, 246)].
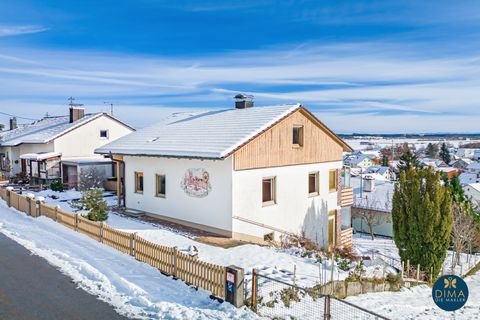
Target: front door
[(24, 167)]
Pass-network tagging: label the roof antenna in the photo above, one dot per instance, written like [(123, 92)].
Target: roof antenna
[(111, 106), (71, 104)]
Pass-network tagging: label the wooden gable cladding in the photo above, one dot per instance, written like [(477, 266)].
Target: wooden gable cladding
[(274, 147)]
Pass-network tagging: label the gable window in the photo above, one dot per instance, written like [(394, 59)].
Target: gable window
[(297, 136), (104, 134), (268, 191), (138, 182), (313, 183), (160, 185), (332, 180)]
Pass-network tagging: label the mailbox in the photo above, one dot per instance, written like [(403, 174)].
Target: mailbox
[(234, 286)]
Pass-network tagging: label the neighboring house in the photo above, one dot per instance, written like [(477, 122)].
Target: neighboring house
[(358, 161), (433, 163), (377, 204), (449, 171), (476, 155), (472, 191), (461, 164), (474, 168), (250, 173), (380, 173), (36, 151), (467, 178), (465, 153)]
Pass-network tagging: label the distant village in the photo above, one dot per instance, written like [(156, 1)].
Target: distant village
[(374, 169)]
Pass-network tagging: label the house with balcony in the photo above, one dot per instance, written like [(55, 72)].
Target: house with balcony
[(250, 173), (59, 147)]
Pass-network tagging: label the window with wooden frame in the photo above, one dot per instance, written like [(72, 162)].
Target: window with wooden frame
[(138, 182), (313, 183), (160, 182), (297, 136), (332, 180), (268, 191)]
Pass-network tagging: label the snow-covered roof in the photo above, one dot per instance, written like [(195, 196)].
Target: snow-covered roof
[(446, 169), (44, 130), (475, 186), (467, 178), (474, 166), (379, 199), (212, 134), (40, 156), (87, 160)]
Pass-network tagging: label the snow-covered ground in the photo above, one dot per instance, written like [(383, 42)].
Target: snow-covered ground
[(385, 248), (273, 262), (133, 288), (416, 303)]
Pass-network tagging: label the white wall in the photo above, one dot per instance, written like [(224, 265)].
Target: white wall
[(214, 210), (294, 210), (473, 193), (14, 153), (82, 141)]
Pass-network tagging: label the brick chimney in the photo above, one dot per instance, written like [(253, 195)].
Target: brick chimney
[(13, 123), (76, 113), (243, 101)]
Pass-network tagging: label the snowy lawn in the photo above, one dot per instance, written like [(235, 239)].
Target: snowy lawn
[(276, 263), (416, 303), (363, 245), (133, 288)]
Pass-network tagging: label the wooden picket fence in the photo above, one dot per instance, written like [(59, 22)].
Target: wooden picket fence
[(169, 261)]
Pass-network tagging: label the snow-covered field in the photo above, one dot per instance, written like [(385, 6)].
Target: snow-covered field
[(133, 288), (419, 143), (416, 303)]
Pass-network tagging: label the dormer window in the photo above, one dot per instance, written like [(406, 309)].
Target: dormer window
[(297, 136)]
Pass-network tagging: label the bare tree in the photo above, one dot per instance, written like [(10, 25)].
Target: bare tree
[(463, 231), (372, 212), (91, 178)]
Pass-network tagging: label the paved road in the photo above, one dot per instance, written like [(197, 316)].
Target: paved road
[(31, 289)]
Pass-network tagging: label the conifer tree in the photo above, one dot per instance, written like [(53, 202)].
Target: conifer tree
[(445, 154), (93, 201), (422, 218)]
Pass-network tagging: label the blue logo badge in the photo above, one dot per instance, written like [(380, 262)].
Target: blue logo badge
[(450, 292)]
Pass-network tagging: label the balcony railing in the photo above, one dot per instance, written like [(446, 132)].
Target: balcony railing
[(346, 197)]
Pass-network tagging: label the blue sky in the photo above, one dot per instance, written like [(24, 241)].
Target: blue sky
[(361, 66)]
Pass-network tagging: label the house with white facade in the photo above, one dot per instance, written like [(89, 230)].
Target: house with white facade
[(250, 173), (59, 147), (472, 191), (359, 160)]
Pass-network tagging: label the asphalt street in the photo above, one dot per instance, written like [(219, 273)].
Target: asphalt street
[(32, 289)]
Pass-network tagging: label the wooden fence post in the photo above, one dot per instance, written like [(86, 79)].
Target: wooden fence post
[(76, 222), (431, 275), (9, 196), (418, 272), (175, 252), (132, 244), (326, 308), (56, 211), (254, 290), (408, 268), (101, 232), (403, 268)]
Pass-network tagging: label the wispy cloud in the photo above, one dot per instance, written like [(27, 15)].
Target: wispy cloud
[(373, 81), (16, 30)]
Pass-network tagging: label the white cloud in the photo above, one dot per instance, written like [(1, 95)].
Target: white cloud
[(375, 82), (6, 31)]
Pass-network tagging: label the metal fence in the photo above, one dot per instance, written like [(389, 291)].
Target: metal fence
[(276, 299)]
